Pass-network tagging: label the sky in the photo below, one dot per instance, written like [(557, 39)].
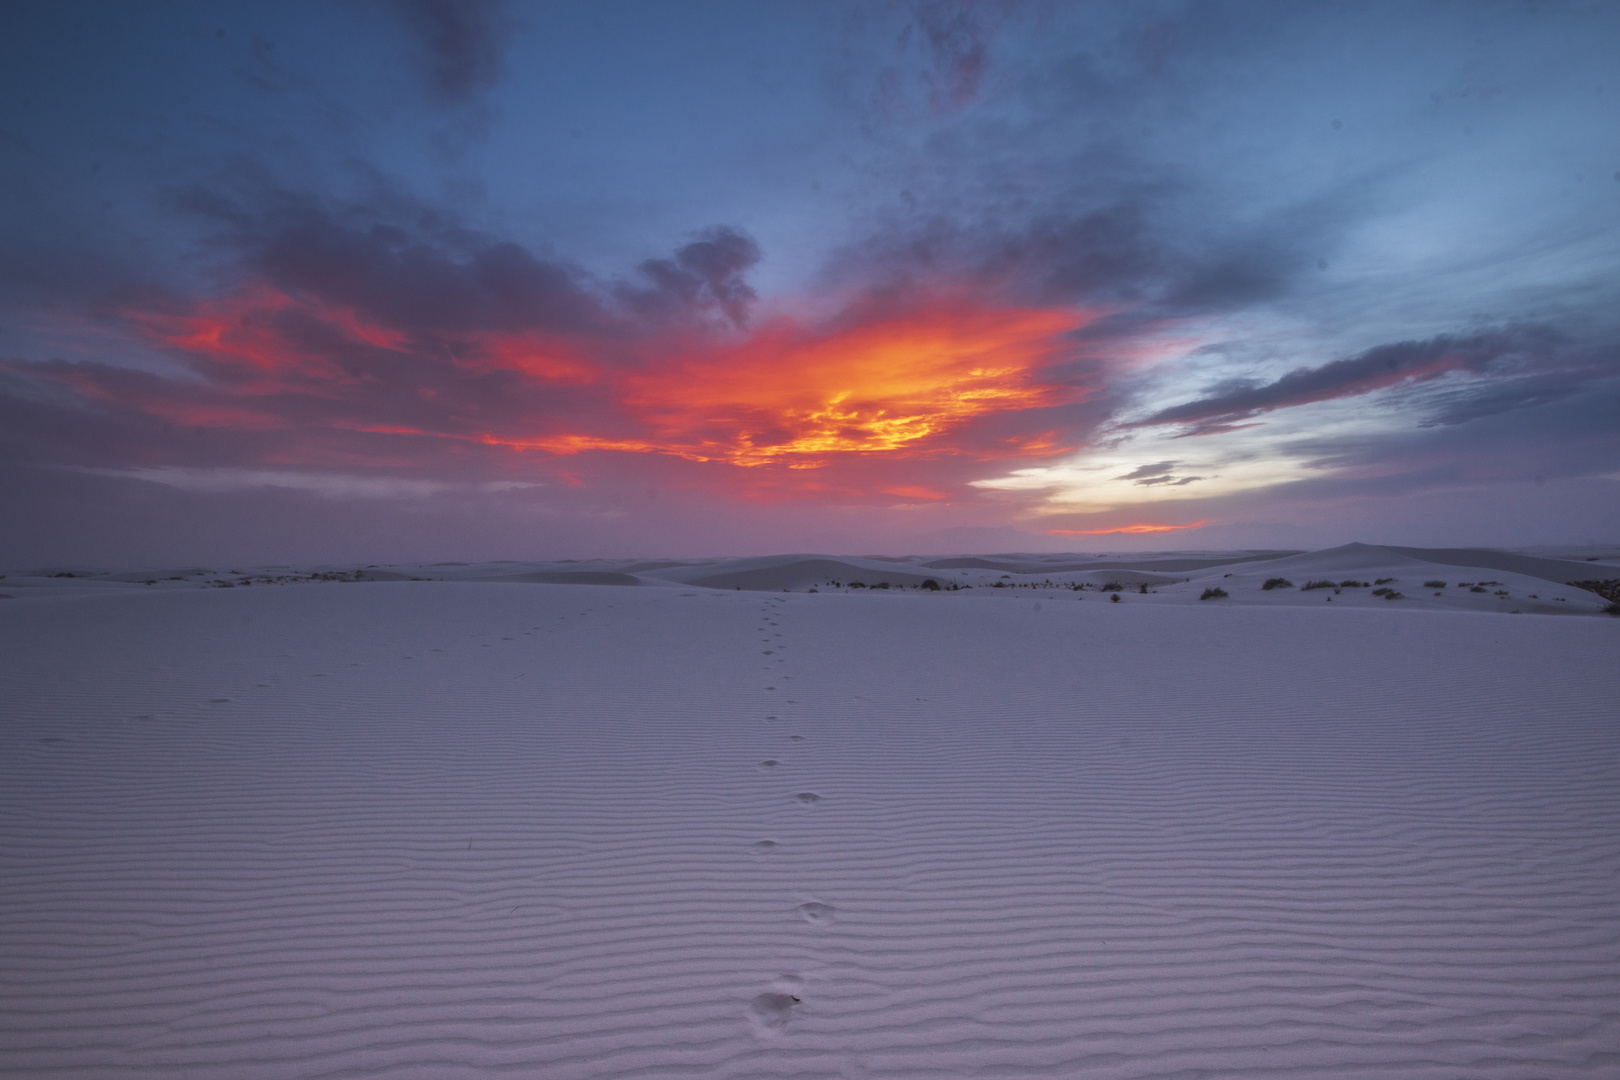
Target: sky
[(371, 281)]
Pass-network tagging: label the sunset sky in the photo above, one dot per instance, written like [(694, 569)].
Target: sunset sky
[(386, 281)]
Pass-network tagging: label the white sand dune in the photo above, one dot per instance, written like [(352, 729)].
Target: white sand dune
[(1166, 564), (809, 573), (458, 829)]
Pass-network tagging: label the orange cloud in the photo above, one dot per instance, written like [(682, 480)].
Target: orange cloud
[(893, 386), (1129, 529), (881, 403)]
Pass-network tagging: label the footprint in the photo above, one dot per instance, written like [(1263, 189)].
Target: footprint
[(770, 1012), (809, 798), (769, 763), (765, 847), (796, 738), (218, 700), (816, 912), (770, 718)]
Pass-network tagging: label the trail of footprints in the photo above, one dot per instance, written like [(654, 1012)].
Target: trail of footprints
[(771, 1011)]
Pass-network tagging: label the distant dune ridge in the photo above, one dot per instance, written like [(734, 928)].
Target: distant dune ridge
[(1519, 582), (497, 819)]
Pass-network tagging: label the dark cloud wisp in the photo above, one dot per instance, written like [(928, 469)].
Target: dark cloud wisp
[(1375, 369), (464, 42)]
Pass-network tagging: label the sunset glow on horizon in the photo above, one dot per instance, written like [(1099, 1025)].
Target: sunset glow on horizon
[(1128, 530)]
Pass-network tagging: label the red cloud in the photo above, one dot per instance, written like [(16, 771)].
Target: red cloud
[(880, 404)]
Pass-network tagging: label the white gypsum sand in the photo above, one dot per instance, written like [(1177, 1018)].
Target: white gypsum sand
[(458, 828)]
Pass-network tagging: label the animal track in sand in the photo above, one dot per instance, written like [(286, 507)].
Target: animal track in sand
[(816, 912), (765, 847), (770, 1012), (769, 763), (809, 798)]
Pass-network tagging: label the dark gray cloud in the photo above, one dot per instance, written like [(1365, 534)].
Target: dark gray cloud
[(1377, 368), (956, 37), (705, 275), (464, 44), (1159, 474), (404, 264), (1157, 469)]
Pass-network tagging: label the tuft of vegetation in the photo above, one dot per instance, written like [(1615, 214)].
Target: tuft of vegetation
[(1383, 581), (1142, 588), (1216, 593), (1477, 588), (1115, 598), (1309, 585), (1387, 593), (1277, 583), (1434, 584), (1612, 609), (930, 584), (881, 585), (1609, 589), (857, 584), (1113, 586), (1357, 584)]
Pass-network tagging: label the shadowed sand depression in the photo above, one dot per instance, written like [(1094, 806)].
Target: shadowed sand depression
[(457, 829)]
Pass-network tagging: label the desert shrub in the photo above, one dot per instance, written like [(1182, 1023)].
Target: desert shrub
[(1383, 581), (1142, 588), (1309, 585), (931, 585), (1277, 583), (1387, 593), (1477, 588), (1216, 593), (1113, 586), (1609, 589), (1115, 598), (1000, 585), (1612, 609), (1356, 584), (857, 585), (1434, 584), (881, 585)]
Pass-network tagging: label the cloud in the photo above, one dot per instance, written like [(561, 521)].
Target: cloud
[(399, 262), (1375, 369), (318, 358), (463, 43), (704, 275), (327, 485), (956, 39), (1157, 469)]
